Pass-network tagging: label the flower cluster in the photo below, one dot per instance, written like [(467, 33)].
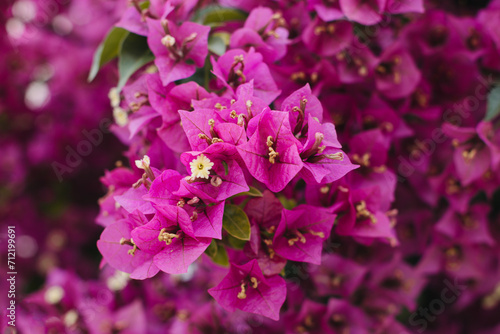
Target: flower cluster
[(241, 156), (301, 167)]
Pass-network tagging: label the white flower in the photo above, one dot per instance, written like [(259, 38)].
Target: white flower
[(143, 163), (200, 167)]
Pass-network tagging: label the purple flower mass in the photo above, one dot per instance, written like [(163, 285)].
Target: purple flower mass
[(305, 166)]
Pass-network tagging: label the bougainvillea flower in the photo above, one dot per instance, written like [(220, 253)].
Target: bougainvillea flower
[(172, 249), (361, 217), (263, 31), (401, 6), (301, 232), (130, 318), (485, 131), (396, 74), (200, 127), (178, 50), (167, 189), (307, 320), (472, 158), (324, 161), (167, 101), (119, 250), (326, 10), (245, 288), (327, 38), (468, 228), (134, 18), (272, 155), (237, 67), (337, 275), (260, 247), (364, 12), (356, 63), (216, 171), (302, 104), (342, 316)]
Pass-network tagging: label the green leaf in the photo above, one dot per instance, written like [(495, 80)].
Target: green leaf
[(226, 167), (235, 243), (235, 222), (288, 204), (253, 192), (216, 15), (493, 109), (217, 253), (212, 249), (216, 45), (107, 50), (221, 257), (134, 54)]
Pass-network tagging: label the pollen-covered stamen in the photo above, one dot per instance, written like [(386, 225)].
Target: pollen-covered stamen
[(298, 237), (181, 203), (242, 294), (270, 250), (453, 257), (233, 114), (186, 47), (135, 106), (215, 136), (332, 156), (242, 120), (129, 242), (298, 76), (272, 153), (194, 216), (319, 30), (144, 163), (249, 105), (468, 222), (317, 234), (390, 68), (363, 213), (363, 160), (254, 281), (335, 156), (473, 40), (142, 181), (216, 181), (307, 325), (200, 167), (189, 39), (491, 300), (167, 237), (204, 136), (469, 155), (316, 148), (339, 323), (236, 72), (392, 215), (301, 116), (193, 201), (164, 24), (219, 106)]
